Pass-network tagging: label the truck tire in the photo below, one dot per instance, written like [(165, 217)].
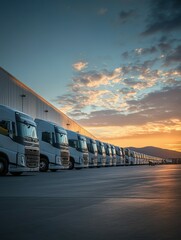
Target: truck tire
[(71, 164), (43, 165), (3, 166)]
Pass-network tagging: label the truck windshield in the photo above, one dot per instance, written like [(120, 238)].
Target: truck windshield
[(61, 138), (127, 152), (94, 146), (109, 151), (82, 144), (103, 149), (113, 151), (26, 130), (118, 152)]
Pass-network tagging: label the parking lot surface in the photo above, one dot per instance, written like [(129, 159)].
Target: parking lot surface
[(129, 203)]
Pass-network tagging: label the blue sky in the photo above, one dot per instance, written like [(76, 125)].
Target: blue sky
[(113, 66)]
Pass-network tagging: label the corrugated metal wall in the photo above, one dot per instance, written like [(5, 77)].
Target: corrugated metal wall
[(17, 95)]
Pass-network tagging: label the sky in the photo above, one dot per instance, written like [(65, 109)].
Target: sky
[(114, 66)]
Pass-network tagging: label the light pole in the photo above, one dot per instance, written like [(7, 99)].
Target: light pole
[(46, 113), (22, 97)]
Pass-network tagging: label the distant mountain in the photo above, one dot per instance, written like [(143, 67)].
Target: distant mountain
[(157, 152)]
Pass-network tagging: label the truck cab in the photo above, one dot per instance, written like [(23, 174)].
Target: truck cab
[(54, 152), (108, 154), (92, 150), (113, 150), (101, 161), (19, 144), (127, 156), (118, 156), (79, 157)]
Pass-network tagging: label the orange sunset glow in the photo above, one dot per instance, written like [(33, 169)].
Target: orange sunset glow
[(140, 136)]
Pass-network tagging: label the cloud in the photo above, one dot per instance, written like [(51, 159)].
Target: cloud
[(132, 82), (164, 17), (128, 132), (90, 90), (78, 66), (143, 51), (160, 106), (174, 56), (121, 87), (95, 79), (178, 69), (164, 47), (141, 76), (126, 15), (166, 53), (140, 52), (77, 113), (73, 103)]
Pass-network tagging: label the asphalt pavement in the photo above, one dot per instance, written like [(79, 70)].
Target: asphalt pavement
[(110, 203)]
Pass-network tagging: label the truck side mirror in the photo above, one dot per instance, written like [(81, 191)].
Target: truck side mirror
[(10, 133), (75, 144)]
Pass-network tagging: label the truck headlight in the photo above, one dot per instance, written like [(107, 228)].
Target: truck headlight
[(21, 160), (80, 160), (58, 160)]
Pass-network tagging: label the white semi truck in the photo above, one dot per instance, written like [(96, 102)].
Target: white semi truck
[(120, 155), (132, 157), (124, 157), (127, 157), (19, 145), (101, 161), (113, 150), (79, 157), (108, 154), (92, 150), (54, 151)]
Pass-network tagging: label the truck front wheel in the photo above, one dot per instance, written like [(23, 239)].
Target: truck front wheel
[(3, 166), (43, 165), (71, 164)]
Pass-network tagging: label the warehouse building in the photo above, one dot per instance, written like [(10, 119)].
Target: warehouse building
[(15, 94)]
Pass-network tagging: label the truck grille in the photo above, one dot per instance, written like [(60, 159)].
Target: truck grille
[(32, 158), (65, 158), (86, 159)]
